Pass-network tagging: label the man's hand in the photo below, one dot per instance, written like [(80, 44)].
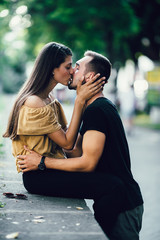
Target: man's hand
[(92, 149), (30, 161)]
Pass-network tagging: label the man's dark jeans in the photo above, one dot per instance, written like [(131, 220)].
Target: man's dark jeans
[(107, 191)]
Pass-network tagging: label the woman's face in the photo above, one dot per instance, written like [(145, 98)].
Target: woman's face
[(63, 74)]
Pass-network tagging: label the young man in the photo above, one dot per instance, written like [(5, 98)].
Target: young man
[(99, 165)]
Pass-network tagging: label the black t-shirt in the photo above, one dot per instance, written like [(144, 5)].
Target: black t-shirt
[(102, 116)]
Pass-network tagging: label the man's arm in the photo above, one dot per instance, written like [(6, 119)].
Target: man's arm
[(92, 148)]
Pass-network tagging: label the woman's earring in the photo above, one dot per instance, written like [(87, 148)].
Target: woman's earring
[(52, 75)]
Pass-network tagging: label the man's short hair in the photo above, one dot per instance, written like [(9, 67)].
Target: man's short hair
[(98, 64)]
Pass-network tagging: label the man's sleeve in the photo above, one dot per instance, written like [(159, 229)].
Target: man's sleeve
[(93, 119)]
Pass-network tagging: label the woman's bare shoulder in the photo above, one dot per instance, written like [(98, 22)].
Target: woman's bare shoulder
[(34, 102)]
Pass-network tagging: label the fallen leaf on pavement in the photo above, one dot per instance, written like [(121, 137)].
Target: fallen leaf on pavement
[(38, 220), (21, 196), (39, 217), (15, 223), (12, 235), (79, 208)]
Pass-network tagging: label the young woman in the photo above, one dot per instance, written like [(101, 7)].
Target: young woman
[(36, 120)]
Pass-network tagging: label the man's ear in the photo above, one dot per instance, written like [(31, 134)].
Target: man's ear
[(89, 75)]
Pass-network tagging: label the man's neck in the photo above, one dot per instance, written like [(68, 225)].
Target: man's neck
[(98, 95)]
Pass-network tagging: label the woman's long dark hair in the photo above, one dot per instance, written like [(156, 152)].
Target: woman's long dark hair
[(51, 56)]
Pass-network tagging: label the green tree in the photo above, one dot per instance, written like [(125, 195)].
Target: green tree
[(147, 42), (103, 25), (119, 29), (12, 47)]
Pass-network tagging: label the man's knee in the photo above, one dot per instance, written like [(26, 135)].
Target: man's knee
[(128, 225)]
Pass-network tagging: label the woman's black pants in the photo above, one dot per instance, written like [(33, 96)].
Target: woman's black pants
[(107, 191)]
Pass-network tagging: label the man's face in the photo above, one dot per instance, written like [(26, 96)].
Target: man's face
[(79, 71)]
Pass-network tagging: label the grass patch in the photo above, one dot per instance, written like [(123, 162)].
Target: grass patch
[(2, 108), (2, 205), (1, 149), (143, 120)]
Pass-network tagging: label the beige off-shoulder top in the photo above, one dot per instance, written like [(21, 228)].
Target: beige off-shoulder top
[(33, 126)]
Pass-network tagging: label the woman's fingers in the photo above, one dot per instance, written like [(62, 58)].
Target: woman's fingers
[(99, 82), (93, 82), (95, 90), (94, 78), (99, 86), (91, 86), (96, 87)]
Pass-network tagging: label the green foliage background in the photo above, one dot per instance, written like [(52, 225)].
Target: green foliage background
[(119, 29)]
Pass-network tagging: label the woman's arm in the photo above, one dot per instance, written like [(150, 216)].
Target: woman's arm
[(85, 91), (66, 139), (77, 150)]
